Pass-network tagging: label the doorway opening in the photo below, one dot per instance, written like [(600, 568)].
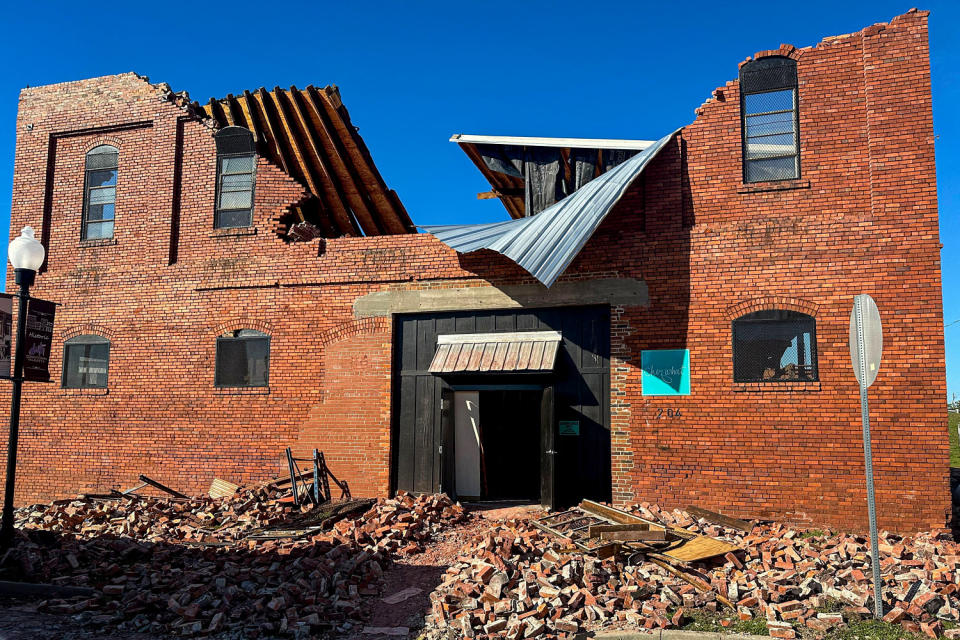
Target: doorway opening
[(498, 444)]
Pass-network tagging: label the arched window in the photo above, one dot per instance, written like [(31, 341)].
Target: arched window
[(243, 359), (236, 170), (768, 106), (99, 193), (85, 362), (775, 345)]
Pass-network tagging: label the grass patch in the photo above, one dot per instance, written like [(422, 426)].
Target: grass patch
[(705, 621), (811, 533), (871, 630), (954, 420)]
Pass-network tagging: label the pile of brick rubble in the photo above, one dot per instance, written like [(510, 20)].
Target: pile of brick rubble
[(516, 581), (163, 566)]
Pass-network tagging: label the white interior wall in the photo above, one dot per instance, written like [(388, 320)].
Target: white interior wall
[(467, 447)]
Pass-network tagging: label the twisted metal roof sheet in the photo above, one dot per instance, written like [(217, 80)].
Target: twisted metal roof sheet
[(546, 244)]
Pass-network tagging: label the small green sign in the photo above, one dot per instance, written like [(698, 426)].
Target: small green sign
[(569, 427)]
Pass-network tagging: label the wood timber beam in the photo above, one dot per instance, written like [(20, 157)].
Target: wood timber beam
[(329, 148)]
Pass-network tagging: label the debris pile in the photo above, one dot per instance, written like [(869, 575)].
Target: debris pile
[(517, 581), (161, 565)]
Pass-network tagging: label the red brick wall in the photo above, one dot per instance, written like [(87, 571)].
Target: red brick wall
[(862, 219)]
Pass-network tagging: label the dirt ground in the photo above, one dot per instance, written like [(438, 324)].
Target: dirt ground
[(416, 575)]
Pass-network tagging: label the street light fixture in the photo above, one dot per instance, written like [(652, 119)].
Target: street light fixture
[(26, 255)]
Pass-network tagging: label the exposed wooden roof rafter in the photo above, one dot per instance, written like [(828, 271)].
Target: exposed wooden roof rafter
[(309, 136)]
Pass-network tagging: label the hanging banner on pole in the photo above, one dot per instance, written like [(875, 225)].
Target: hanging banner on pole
[(6, 334), (866, 349), (39, 338)]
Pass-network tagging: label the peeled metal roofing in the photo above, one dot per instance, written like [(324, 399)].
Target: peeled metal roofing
[(480, 352), (546, 244)]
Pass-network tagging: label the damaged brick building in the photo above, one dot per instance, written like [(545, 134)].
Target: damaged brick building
[(661, 321)]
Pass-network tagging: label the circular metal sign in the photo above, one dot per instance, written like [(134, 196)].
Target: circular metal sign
[(866, 339)]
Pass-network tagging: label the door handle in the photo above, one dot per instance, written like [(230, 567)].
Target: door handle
[(550, 452)]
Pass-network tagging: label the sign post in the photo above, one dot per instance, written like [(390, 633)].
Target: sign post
[(866, 349)]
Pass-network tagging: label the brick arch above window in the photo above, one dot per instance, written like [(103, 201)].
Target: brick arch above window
[(772, 302), (352, 328), (87, 329), (241, 323), (785, 50), (99, 141)]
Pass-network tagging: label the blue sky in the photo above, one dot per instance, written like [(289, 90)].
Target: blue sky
[(413, 73)]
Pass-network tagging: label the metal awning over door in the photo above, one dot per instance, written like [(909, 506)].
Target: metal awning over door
[(518, 352)]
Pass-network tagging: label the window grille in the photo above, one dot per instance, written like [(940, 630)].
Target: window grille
[(100, 193), (86, 360), (770, 124), (775, 346), (236, 172), (243, 359)]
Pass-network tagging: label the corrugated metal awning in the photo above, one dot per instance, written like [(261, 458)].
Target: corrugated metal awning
[(526, 351), (546, 244)]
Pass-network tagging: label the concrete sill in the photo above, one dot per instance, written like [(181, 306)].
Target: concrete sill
[(781, 185), (241, 391), (234, 232), (100, 242), (84, 392), (776, 387)]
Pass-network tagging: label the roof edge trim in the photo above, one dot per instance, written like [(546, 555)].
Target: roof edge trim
[(575, 143)]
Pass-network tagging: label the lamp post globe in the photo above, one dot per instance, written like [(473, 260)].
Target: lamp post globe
[(26, 255)]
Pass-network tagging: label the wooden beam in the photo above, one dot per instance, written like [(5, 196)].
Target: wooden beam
[(499, 184), (262, 99), (359, 157), (330, 147), (295, 109), (328, 197), (719, 518)]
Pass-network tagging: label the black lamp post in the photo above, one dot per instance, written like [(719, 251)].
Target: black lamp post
[(26, 255)]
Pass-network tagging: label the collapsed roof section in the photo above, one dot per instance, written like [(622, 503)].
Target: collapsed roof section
[(545, 244), (530, 174), (308, 134)]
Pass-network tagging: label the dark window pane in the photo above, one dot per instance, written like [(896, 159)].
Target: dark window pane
[(242, 361), (102, 195), (774, 346), (99, 230), (232, 219), (102, 178), (237, 164), (103, 157), (85, 363), (769, 101), (99, 212), (772, 169)]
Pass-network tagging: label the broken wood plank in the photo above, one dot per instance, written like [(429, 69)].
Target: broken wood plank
[(719, 518), (222, 489), (41, 591), (627, 533), (697, 583), (163, 487)]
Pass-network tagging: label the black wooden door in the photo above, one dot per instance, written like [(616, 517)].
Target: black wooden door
[(548, 454)]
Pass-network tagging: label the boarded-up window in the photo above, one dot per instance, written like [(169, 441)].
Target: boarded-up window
[(243, 359), (85, 362)]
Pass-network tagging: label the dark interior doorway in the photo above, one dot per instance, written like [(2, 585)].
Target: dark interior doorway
[(510, 440)]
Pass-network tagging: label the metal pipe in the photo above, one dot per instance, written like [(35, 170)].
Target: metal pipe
[(24, 278)]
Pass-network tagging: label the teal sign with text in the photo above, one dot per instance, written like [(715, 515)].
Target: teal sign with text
[(666, 372), (569, 427)]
